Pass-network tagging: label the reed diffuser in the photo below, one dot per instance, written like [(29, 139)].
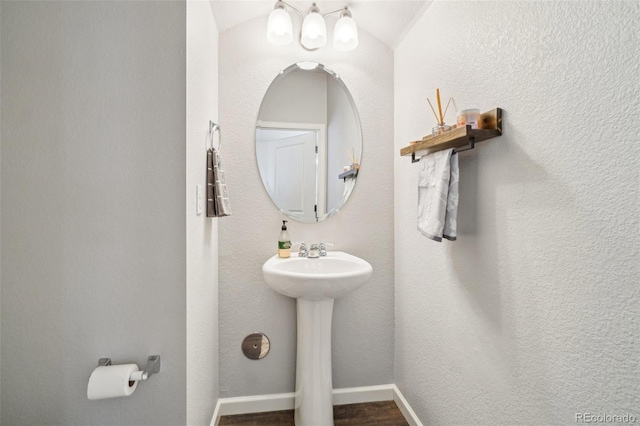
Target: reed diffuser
[(355, 164), (441, 127)]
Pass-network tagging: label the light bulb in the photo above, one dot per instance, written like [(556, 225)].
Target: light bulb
[(345, 34), (314, 29), (313, 33), (279, 27)]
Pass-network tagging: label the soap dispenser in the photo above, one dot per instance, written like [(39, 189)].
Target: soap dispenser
[(284, 242)]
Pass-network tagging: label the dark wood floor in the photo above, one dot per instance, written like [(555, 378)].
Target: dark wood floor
[(384, 413)]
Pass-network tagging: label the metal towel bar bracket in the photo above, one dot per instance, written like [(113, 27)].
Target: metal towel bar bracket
[(213, 128), (472, 144), (153, 366)]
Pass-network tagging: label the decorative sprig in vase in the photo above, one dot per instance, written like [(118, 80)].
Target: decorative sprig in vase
[(441, 127)]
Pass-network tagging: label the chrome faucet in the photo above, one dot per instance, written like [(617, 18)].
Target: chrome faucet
[(314, 251)]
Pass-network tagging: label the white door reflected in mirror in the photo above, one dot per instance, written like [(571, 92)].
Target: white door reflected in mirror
[(287, 163)]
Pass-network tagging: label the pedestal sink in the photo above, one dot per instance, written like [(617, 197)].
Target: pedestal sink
[(315, 283)]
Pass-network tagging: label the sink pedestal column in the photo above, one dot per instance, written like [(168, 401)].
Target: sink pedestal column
[(314, 391)]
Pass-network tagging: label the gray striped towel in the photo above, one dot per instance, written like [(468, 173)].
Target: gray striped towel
[(218, 204)]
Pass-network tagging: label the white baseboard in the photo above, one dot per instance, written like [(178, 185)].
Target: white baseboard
[(363, 394), (405, 408), (285, 401), (252, 404), (216, 414)]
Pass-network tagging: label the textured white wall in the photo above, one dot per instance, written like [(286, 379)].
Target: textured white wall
[(202, 232), (93, 217), (286, 103), (533, 314), (363, 321)]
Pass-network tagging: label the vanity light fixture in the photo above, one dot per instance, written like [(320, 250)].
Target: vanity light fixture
[(314, 29), (279, 27)]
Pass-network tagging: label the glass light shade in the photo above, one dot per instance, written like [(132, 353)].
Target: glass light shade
[(345, 34), (314, 31), (279, 27)]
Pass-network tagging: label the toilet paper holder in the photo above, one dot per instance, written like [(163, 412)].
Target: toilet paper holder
[(153, 366)]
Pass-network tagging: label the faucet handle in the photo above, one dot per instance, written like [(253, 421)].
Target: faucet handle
[(323, 248), (302, 252)]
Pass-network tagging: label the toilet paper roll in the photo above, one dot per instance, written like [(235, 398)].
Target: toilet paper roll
[(111, 381)]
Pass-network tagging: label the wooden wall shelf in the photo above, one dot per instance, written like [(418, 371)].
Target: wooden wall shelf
[(348, 174), (459, 137)]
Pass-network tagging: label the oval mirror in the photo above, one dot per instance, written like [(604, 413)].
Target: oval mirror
[(308, 142)]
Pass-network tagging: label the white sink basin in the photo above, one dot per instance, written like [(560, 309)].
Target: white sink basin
[(326, 277)]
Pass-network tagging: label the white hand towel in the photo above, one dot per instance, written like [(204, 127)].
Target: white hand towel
[(437, 183), (349, 184), (451, 218)]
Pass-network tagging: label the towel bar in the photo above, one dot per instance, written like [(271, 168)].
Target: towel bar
[(472, 144), (213, 128)]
